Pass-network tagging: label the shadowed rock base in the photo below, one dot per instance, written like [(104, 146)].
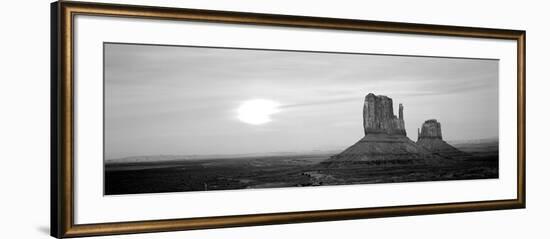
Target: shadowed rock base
[(441, 148), (384, 148), (430, 137)]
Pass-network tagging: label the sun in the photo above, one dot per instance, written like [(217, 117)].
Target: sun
[(257, 111)]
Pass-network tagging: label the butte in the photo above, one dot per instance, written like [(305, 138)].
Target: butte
[(430, 137), (385, 139)]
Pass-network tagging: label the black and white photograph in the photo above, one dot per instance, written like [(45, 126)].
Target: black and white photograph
[(193, 118)]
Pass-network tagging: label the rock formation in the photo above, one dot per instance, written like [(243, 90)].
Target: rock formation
[(430, 137), (378, 116), (385, 139), (431, 129)]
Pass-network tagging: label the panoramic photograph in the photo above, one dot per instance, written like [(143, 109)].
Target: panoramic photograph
[(193, 118)]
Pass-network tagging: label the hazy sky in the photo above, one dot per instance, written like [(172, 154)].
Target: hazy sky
[(185, 100)]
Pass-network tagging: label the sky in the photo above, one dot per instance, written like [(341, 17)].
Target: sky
[(181, 100)]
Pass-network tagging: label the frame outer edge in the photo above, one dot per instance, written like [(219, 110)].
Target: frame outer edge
[(54, 121), (170, 13), (66, 98), (522, 105)]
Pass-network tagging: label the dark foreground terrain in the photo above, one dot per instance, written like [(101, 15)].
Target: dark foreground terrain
[(290, 171)]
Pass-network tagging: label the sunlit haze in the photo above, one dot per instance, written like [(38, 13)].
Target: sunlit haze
[(257, 111)]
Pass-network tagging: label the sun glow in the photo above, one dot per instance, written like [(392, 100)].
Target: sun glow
[(257, 111)]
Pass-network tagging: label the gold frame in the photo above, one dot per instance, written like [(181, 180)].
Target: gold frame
[(62, 17)]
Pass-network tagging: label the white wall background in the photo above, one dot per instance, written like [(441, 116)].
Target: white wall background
[(24, 123)]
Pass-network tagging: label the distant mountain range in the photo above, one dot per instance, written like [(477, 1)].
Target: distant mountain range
[(473, 141), (166, 158)]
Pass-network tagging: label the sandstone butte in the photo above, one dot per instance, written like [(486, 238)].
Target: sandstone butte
[(386, 140), (430, 137)]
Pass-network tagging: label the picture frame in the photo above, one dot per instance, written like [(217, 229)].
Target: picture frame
[(64, 121)]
